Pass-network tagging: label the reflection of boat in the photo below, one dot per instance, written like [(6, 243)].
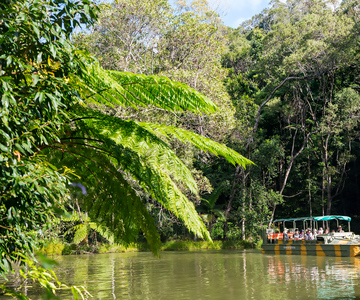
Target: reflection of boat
[(329, 244)]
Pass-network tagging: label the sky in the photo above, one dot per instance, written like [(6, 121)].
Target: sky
[(234, 12)]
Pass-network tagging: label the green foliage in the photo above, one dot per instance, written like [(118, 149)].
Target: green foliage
[(187, 49), (296, 66), (151, 143), (115, 248), (36, 60), (218, 230), (205, 245), (54, 131), (52, 248), (127, 34)]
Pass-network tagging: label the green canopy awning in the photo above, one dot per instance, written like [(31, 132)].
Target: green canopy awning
[(329, 218), (321, 218), (293, 219)]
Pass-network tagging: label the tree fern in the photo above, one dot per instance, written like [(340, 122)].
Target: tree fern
[(116, 157)]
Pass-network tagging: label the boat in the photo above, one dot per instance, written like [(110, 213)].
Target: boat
[(343, 243)]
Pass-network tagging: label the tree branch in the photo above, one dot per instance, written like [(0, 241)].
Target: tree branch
[(272, 94)]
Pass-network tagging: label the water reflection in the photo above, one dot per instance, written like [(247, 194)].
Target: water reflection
[(320, 277), (211, 275)]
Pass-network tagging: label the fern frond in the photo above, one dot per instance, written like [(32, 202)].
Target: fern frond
[(105, 232), (118, 192), (214, 196), (220, 214), (162, 188), (111, 200), (134, 148), (199, 141), (82, 231), (128, 89), (116, 157), (147, 145), (74, 217)]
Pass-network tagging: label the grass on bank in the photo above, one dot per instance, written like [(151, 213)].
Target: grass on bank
[(55, 247)]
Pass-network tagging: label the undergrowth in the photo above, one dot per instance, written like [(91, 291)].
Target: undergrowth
[(59, 248)]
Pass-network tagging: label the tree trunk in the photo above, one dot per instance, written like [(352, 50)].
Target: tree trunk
[(329, 196), (323, 192), (309, 186), (243, 237), (238, 172), (327, 175)]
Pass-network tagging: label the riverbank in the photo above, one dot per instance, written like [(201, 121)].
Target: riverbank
[(59, 248)]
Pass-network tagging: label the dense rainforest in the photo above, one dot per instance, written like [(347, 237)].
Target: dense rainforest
[(137, 120), (287, 86)]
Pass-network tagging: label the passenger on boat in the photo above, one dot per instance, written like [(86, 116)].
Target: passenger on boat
[(315, 233), (340, 229), (302, 234), (296, 234), (326, 231), (308, 235), (321, 230), (286, 237)]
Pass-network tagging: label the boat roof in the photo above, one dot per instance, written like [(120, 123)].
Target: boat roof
[(321, 218)]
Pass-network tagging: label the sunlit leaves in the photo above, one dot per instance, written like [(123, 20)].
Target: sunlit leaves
[(128, 89)]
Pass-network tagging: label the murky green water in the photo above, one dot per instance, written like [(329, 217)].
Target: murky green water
[(211, 275)]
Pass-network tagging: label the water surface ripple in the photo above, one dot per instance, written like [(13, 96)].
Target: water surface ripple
[(206, 275)]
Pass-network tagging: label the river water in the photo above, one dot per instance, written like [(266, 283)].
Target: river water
[(229, 274)]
